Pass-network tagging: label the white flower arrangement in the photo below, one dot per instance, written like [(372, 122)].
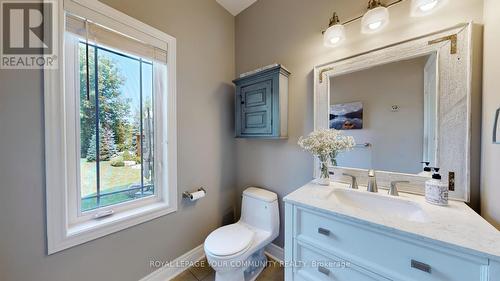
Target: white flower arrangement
[(326, 144)]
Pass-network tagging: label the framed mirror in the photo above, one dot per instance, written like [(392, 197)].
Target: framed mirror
[(391, 111), (404, 104)]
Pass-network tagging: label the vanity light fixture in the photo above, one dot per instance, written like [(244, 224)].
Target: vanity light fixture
[(376, 18), (424, 7), (335, 34)]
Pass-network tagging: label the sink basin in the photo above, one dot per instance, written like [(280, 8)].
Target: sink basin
[(380, 204)]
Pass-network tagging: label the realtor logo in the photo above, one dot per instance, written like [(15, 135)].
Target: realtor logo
[(28, 35)]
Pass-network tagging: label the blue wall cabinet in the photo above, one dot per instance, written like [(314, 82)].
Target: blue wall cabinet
[(262, 104)]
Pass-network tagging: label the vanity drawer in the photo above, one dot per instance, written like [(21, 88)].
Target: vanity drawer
[(383, 252), (314, 266)]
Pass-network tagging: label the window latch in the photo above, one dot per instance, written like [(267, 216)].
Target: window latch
[(104, 214)]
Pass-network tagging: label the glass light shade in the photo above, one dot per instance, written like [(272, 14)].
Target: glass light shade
[(334, 35), (424, 7), (375, 19)]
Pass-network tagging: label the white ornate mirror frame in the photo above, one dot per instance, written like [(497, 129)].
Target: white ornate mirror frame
[(454, 51)]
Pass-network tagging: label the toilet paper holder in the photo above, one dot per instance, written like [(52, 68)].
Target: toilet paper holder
[(188, 195)]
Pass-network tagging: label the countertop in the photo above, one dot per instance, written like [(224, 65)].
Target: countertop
[(456, 225)]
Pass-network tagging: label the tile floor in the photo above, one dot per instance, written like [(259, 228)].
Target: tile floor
[(203, 272)]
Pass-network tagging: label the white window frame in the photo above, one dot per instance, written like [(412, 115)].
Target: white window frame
[(66, 225)]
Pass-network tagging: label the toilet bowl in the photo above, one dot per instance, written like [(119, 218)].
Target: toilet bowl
[(236, 251)]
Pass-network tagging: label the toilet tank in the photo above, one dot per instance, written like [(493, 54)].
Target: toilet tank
[(259, 208)]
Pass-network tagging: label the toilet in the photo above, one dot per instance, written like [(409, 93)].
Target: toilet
[(236, 251)]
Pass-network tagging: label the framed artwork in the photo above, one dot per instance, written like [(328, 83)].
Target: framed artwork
[(346, 116), (496, 128)]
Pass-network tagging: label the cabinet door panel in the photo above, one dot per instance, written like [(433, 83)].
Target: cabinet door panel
[(256, 119), (256, 108)]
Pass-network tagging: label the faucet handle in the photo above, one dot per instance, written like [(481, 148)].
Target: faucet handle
[(354, 182), (371, 173), (394, 187), (372, 182)]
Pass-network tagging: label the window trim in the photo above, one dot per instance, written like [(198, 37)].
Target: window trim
[(62, 232)]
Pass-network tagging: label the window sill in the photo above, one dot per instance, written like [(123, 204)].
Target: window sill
[(90, 230)]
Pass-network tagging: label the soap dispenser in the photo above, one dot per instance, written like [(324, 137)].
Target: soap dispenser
[(436, 190), (427, 170)]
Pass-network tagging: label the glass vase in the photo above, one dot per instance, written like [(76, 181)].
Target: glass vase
[(333, 158), (324, 174)]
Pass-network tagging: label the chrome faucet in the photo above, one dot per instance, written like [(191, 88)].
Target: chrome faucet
[(372, 181), (354, 182), (394, 187)]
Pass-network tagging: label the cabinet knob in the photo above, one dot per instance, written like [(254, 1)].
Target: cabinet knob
[(323, 231), (421, 266), (324, 270)]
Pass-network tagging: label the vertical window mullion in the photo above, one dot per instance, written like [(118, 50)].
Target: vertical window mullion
[(87, 66), (152, 141), (97, 134), (141, 127)]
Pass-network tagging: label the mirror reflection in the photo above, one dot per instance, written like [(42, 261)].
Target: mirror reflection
[(391, 111)]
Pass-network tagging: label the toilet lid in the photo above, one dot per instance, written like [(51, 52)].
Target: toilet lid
[(229, 240)]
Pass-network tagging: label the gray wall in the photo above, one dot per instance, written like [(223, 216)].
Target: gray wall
[(289, 32), (490, 177), (396, 137), (205, 38)]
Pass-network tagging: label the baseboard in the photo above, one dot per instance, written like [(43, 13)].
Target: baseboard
[(167, 272), (275, 252)]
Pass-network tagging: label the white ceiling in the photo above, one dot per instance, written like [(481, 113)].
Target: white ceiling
[(235, 6)]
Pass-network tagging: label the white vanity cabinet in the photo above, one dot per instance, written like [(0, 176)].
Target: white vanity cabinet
[(321, 244), (337, 233)]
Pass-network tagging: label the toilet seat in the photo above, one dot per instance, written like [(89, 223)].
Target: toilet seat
[(229, 240)]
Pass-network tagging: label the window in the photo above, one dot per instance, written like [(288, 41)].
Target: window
[(116, 126), (111, 149)]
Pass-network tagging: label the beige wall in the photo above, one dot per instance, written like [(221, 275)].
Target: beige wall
[(490, 176), (205, 67), (396, 137), (289, 32)]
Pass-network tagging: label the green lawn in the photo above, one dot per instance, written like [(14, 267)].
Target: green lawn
[(112, 179)]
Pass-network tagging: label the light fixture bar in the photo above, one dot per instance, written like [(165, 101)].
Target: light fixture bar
[(361, 16)]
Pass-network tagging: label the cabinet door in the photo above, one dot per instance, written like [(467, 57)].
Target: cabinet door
[(256, 108)]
